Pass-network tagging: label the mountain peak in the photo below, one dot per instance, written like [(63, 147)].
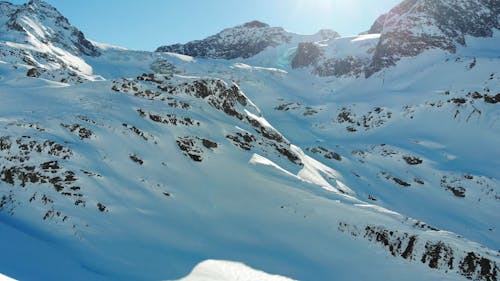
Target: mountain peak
[(242, 41), (255, 24), (414, 26), (39, 21), (40, 3)]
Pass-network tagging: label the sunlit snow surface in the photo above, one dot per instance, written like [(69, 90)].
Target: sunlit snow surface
[(169, 214), (5, 278), (214, 270)]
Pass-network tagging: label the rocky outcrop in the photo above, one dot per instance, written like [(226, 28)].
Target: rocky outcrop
[(437, 255), (217, 94), (308, 54), (338, 67)]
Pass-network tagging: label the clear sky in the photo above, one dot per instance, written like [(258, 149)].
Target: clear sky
[(147, 24)]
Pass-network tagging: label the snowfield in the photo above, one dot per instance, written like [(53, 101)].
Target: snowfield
[(130, 165)]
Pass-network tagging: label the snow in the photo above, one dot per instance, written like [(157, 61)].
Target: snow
[(216, 270), (259, 119), (170, 214), (258, 159), (181, 57), (6, 278), (248, 67), (106, 47), (366, 37)]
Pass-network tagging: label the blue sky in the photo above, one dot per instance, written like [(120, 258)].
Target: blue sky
[(147, 24)]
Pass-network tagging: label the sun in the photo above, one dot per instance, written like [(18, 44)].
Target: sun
[(317, 5)]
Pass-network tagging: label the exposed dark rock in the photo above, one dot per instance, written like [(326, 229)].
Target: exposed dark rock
[(338, 67), (82, 132), (419, 181), (136, 159), (136, 131), (101, 207), (458, 100), (372, 119), (218, 95), (190, 148), (457, 191), (243, 141), (33, 72), (437, 255), (475, 267), (398, 244), (492, 100), (454, 185), (169, 119), (411, 160), (209, 144), (401, 182), (163, 66), (255, 24), (307, 54), (325, 152)]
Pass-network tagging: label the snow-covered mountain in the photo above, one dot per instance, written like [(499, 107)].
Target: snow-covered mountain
[(243, 41), (269, 149), (418, 25), (36, 36)]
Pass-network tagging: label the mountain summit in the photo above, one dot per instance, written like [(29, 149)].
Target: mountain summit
[(40, 23), (37, 35), (243, 41)]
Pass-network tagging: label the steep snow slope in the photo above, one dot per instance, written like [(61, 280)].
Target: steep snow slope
[(38, 39), (173, 160), (101, 166), (362, 129), (120, 161)]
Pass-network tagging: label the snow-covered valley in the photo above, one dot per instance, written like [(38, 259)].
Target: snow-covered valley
[(292, 157)]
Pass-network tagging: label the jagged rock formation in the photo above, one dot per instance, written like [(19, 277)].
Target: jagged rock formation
[(307, 54), (437, 255), (409, 29), (242, 41), (418, 25)]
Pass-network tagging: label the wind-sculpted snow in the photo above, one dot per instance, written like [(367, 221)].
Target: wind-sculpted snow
[(216, 270)]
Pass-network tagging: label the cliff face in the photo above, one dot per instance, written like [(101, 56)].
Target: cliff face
[(418, 25)]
